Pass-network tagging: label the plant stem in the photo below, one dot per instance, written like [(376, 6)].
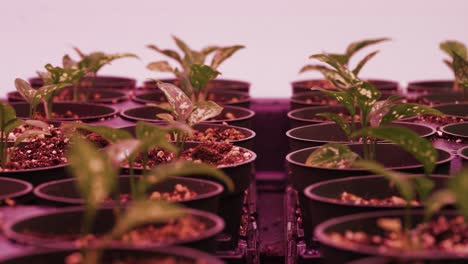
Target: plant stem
[(88, 217), (75, 91), (90, 89)]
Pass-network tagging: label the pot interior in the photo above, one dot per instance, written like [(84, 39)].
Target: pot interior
[(460, 110), (83, 110), (458, 130)]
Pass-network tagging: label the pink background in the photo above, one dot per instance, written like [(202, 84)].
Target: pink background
[(279, 35)]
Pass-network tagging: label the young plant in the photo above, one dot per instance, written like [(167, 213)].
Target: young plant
[(44, 94), (190, 61), (360, 97), (182, 109), (91, 64), (459, 64), (97, 178), (8, 123), (344, 58)]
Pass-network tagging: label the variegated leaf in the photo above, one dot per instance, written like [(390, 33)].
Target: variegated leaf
[(224, 53), (332, 155), (167, 52), (203, 111), (178, 100), (339, 120), (358, 45), (25, 89), (404, 110), (200, 75), (161, 66)]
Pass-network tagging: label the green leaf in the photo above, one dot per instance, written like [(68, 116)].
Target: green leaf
[(185, 48), (160, 66), (123, 150), (37, 123), (343, 97), (403, 110), (165, 116), (25, 89), (400, 180), (68, 62), (167, 52), (358, 45), (423, 186), (153, 136), (437, 201), (344, 73), (30, 133), (94, 172), (366, 95), (203, 111), (339, 120), (341, 58), (363, 62), (224, 53), (185, 168), (145, 212), (331, 75), (109, 133), (452, 47), (94, 61), (332, 156), (418, 147), (8, 118), (210, 49), (47, 91), (200, 75), (460, 68), (178, 100), (458, 184)]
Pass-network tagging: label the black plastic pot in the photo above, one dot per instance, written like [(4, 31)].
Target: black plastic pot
[(69, 221), (246, 142), (231, 203), (390, 155), (323, 198), (222, 97), (14, 189), (317, 98), (113, 254), (457, 110), (430, 86), (307, 115), (38, 175), (334, 252), (107, 96), (320, 134), (463, 153), (223, 84), (64, 192), (243, 116), (457, 131), (305, 85), (443, 98), (87, 112), (101, 81)]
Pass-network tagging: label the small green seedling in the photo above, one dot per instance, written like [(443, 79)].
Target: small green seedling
[(459, 64), (360, 97), (97, 178), (34, 97), (345, 58), (92, 63), (182, 109), (191, 70), (8, 123)]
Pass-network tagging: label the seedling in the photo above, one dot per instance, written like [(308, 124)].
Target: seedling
[(190, 61), (8, 123), (44, 94), (360, 97), (182, 109), (459, 64), (91, 64), (345, 58)]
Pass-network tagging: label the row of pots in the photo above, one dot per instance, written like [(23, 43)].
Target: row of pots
[(319, 188), (52, 189)]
